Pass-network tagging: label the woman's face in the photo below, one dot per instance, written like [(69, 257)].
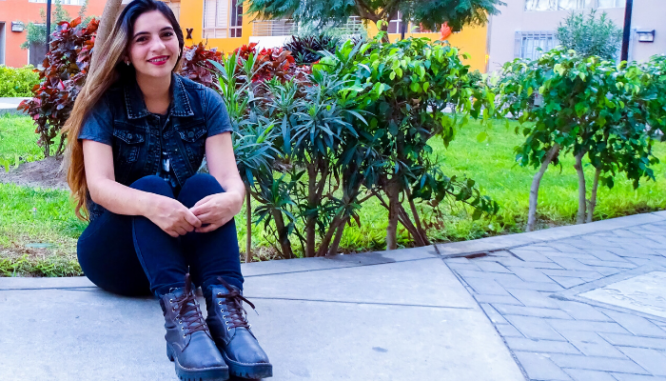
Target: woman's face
[(154, 46)]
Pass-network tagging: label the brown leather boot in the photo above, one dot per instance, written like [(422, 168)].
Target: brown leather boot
[(189, 343)]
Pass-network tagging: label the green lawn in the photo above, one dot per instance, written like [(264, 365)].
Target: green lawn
[(29, 216)]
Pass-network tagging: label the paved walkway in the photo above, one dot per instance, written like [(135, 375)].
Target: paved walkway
[(9, 105), (584, 303)]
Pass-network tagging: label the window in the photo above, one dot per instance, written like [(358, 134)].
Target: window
[(395, 23), (533, 44), (222, 19), (63, 2), (571, 5)]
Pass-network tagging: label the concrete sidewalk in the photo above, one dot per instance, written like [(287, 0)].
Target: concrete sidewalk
[(577, 303), (9, 105)]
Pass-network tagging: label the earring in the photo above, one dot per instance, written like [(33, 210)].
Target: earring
[(127, 63)]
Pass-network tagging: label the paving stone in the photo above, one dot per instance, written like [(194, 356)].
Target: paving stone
[(486, 286), (653, 361), (513, 263), (597, 363), (487, 275), (635, 377), (535, 286), (504, 299), (605, 255), (593, 326), (540, 367), (530, 255), (532, 298), (589, 375), (634, 341), (568, 282), (635, 324), (574, 273), (507, 309), (534, 328), (591, 344), (492, 314), (541, 346), (507, 330), (463, 267), (581, 311), (492, 267), (530, 275), (572, 263)]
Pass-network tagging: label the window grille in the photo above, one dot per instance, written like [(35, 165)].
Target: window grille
[(395, 23), (533, 44), (571, 5)]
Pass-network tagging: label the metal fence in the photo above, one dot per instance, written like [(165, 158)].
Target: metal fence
[(288, 27)]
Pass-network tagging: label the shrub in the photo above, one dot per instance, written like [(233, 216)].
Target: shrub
[(17, 82), (584, 106), (308, 50), (590, 36), (65, 69), (196, 67)]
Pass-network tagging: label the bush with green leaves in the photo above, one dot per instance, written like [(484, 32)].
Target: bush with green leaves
[(313, 149), (583, 106), (412, 90), (17, 82), (590, 36)]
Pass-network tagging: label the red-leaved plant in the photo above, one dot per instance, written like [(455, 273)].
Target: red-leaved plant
[(65, 70), (196, 67), (273, 62)]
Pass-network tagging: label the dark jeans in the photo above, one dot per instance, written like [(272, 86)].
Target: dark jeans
[(130, 255)]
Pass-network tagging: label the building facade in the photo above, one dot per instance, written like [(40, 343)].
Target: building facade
[(524, 26), (15, 16)]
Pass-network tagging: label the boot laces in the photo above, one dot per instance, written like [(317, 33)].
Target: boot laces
[(188, 310), (234, 302)]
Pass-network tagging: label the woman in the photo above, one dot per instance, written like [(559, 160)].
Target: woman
[(142, 134)]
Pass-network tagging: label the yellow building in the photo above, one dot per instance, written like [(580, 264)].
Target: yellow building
[(221, 24)]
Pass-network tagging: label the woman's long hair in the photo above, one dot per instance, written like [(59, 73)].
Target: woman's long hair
[(109, 69)]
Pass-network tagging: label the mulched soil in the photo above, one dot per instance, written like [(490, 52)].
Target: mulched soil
[(45, 173)]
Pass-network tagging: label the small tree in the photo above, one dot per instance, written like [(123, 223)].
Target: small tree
[(590, 36), (406, 88), (65, 69), (429, 13), (581, 106), (36, 33)]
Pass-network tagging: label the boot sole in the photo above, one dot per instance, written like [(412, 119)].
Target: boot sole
[(253, 371), (209, 374)]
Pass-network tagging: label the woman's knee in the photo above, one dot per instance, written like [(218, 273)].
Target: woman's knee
[(153, 184)]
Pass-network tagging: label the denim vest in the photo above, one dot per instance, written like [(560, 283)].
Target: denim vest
[(122, 121)]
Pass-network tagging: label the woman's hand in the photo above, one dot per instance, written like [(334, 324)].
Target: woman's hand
[(216, 210), (172, 216)]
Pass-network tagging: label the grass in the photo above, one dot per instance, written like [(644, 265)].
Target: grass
[(46, 216)]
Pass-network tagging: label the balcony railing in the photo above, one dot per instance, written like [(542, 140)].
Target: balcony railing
[(288, 27)]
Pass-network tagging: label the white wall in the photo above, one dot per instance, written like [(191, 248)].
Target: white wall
[(647, 14)]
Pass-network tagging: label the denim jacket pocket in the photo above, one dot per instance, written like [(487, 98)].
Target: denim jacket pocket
[(128, 144), (194, 142)]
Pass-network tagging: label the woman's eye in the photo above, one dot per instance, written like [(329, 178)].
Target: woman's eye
[(168, 34), (140, 39)]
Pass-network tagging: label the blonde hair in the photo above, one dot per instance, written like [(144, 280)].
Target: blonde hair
[(108, 70)]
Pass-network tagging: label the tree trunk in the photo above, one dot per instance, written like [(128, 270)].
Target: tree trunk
[(593, 196), (287, 252), (534, 189), (582, 200), (338, 236), (393, 193), (109, 15), (311, 219), (248, 217), (417, 219), (403, 217), (326, 239)]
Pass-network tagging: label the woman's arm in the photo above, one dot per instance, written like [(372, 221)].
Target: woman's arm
[(218, 209), (167, 213)]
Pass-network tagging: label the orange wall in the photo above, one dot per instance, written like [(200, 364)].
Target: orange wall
[(472, 40), (25, 11), (191, 16)]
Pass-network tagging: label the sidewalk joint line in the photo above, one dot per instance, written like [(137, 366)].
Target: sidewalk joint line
[(370, 303)]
